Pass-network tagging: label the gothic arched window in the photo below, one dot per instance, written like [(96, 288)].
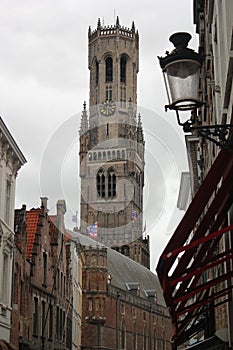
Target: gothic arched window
[(100, 183), (96, 72), (123, 69), (108, 67), (111, 183)]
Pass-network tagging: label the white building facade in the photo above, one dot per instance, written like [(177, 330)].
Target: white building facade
[(11, 160)]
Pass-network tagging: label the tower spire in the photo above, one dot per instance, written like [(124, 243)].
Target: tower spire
[(140, 136), (84, 120)]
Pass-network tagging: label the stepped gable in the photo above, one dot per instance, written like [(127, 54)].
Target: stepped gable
[(124, 270)]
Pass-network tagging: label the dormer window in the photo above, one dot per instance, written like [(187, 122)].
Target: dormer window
[(151, 295), (133, 287)]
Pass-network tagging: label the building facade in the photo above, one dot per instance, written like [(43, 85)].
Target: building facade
[(42, 303), (10, 162), (77, 262), (199, 254), (112, 144), (122, 302)]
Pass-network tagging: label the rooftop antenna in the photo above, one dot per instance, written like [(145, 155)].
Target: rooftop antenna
[(103, 21), (114, 16)]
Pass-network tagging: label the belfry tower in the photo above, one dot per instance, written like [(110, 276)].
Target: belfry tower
[(112, 144)]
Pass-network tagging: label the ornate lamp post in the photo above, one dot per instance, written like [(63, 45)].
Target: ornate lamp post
[(181, 70)]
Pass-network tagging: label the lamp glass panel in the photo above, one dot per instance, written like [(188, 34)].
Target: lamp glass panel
[(183, 81)]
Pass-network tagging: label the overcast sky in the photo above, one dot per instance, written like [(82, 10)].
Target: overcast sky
[(44, 80)]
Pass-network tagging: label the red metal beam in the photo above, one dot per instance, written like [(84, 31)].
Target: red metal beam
[(193, 213)]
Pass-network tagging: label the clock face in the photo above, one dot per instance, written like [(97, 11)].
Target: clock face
[(107, 108)]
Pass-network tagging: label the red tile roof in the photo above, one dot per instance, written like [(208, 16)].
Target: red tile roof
[(32, 222)]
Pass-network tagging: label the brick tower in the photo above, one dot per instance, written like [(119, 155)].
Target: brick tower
[(112, 144)]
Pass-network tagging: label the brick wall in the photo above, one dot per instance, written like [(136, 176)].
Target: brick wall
[(140, 322)]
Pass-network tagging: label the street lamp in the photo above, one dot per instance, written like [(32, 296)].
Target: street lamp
[(181, 71)]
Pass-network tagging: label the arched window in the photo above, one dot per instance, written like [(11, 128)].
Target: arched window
[(111, 183), (96, 72), (123, 69), (100, 183), (108, 69)]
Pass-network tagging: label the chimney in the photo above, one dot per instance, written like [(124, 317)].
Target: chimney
[(61, 207), (44, 201)]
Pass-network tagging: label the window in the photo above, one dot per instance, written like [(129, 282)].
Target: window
[(58, 279), (22, 301), (134, 337), (122, 307), (144, 339), (57, 322), (5, 278), (96, 72), (123, 340), (64, 286), (7, 203), (43, 329), (50, 321), (108, 93), (61, 283), (45, 268), (134, 312), (60, 323), (35, 318), (108, 67), (100, 183), (111, 184), (90, 303), (123, 69)]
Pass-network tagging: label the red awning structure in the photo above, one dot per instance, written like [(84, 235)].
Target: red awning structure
[(194, 269)]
